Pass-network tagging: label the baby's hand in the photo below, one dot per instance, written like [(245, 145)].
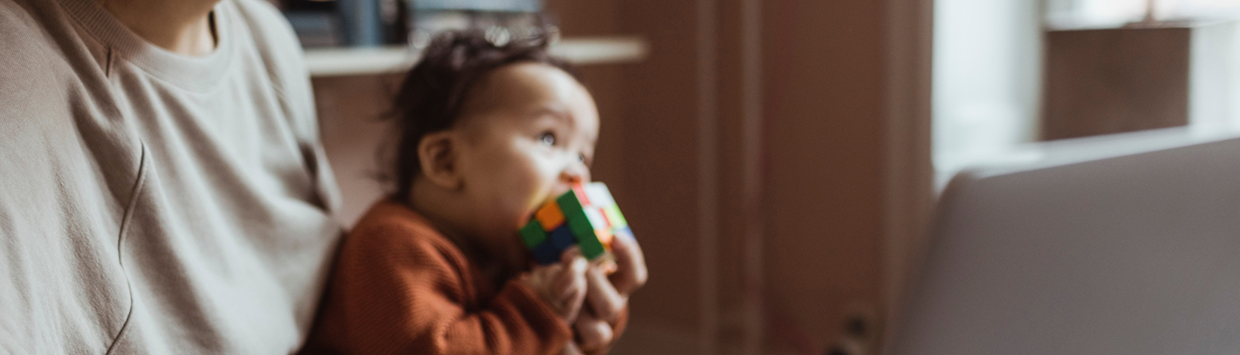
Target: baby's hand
[(561, 286), (570, 349)]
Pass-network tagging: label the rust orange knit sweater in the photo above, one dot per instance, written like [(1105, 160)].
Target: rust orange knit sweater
[(401, 287)]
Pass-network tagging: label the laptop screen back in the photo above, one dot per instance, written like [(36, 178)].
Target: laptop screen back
[(1118, 245)]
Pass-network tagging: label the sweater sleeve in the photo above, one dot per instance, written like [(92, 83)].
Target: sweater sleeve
[(406, 295)]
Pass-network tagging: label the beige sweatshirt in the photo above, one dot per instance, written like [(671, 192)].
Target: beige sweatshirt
[(152, 202)]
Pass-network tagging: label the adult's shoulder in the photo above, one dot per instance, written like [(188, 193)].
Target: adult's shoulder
[(271, 31), (17, 18), (26, 45), (33, 69), (281, 53)]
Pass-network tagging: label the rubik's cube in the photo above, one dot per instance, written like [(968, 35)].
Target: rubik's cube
[(586, 216)]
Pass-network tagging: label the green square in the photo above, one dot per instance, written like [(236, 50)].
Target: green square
[(580, 226), (590, 246), (569, 202), (532, 234), (574, 214)]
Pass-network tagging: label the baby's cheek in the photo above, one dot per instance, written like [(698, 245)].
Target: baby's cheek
[(530, 177), (533, 194), (524, 193)]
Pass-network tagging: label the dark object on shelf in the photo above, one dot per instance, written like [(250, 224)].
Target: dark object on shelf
[(1103, 81), (361, 22), (354, 23), (316, 22), (315, 29), (394, 15), (308, 5), (480, 5), (503, 20), (367, 23)]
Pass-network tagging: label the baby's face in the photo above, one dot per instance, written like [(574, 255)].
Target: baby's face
[(529, 133)]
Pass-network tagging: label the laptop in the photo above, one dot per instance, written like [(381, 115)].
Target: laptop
[(1124, 244)]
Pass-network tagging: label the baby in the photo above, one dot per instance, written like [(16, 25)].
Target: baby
[(487, 134)]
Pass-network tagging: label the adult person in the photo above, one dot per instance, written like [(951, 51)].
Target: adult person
[(163, 188)]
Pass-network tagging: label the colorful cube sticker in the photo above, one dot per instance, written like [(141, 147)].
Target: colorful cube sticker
[(615, 217), (550, 216), (604, 237), (546, 254), (599, 195), (580, 193), (595, 216), (533, 234), (591, 247), (562, 238)]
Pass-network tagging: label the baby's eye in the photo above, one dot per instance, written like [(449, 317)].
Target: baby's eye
[(547, 138)]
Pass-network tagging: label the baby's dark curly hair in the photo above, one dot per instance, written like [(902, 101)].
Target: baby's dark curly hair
[(430, 97)]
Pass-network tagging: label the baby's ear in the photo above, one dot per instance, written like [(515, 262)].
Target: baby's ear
[(438, 152)]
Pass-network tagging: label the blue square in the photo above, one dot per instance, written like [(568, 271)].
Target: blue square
[(546, 254), (624, 232), (562, 238)]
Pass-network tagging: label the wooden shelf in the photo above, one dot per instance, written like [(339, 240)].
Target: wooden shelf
[(368, 61)]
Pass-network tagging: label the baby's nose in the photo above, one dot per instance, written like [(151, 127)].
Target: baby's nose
[(575, 174)]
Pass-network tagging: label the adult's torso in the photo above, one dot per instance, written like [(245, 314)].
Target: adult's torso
[(156, 203)]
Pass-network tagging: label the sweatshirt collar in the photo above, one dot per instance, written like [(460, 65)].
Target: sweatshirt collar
[(192, 73)]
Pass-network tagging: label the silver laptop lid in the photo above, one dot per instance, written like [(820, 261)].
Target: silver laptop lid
[(1126, 244)]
